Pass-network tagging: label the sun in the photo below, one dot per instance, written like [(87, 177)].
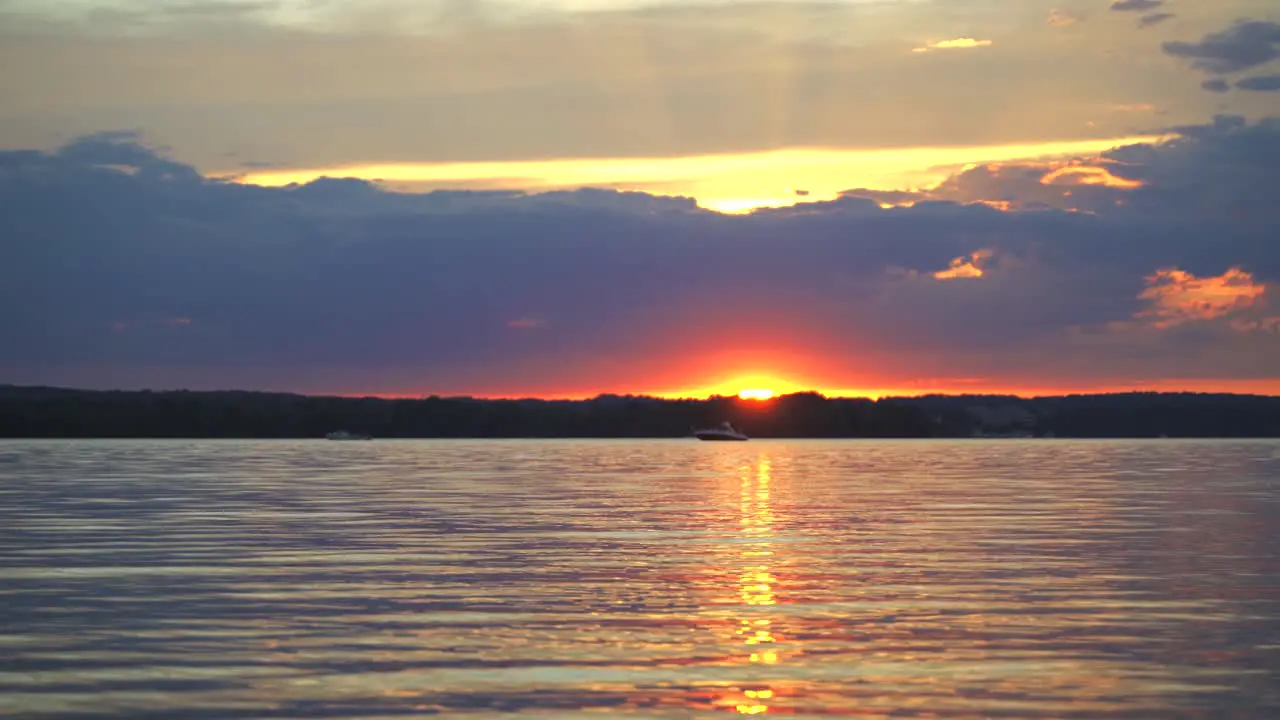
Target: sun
[(755, 394)]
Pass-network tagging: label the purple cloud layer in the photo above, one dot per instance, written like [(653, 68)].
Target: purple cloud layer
[(120, 267)]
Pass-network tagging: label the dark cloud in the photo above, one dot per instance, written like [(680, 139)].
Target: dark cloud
[(1246, 44), (1217, 85), (1260, 83), (1136, 5), (1154, 19), (122, 267), (123, 150)]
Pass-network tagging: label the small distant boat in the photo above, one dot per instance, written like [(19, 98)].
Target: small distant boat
[(344, 435), (722, 432)]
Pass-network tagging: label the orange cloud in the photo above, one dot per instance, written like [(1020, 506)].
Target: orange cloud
[(1001, 205), (1088, 175), (966, 266), (1178, 297)]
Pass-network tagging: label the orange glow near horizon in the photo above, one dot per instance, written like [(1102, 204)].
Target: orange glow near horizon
[(786, 364), (871, 390), (747, 386)]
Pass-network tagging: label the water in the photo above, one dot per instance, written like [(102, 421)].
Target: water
[(644, 579)]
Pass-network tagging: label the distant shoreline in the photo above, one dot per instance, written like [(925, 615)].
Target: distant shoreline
[(48, 412)]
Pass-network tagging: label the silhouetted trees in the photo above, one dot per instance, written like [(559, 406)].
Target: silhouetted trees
[(54, 412)]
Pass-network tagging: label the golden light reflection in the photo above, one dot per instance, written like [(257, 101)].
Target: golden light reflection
[(727, 182), (757, 582)]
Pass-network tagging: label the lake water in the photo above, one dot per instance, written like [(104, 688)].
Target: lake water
[(644, 579)]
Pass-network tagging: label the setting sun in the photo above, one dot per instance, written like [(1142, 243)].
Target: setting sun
[(747, 385)]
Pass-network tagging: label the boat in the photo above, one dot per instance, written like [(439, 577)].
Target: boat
[(344, 435), (722, 432)]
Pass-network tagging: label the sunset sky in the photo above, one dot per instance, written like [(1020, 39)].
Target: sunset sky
[(572, 197)]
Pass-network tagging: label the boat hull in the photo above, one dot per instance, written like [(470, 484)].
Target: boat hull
[(719, 437)]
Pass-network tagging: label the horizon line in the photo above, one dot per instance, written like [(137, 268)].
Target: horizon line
[(644, 396)]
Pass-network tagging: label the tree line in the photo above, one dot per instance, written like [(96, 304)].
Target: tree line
[(56, 412)]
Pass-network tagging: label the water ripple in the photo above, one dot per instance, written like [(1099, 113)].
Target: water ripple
[(654, 579)]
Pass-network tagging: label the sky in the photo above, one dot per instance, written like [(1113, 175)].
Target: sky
[(562, 198)]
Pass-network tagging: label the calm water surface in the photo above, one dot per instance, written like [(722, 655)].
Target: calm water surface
[(654, 579)]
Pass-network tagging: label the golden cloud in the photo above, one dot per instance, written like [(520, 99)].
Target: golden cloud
[(1088, 175), (966, 266)]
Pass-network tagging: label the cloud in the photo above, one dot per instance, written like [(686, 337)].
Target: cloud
[(967, 266), (1073, 174), (963, 43), (123, 150), (669, 80), (1152, 260), (1080, 185), (1216, 85), (1260, 83), (1246, 44), (1136, 5), (1177, 297), (1154, 19), (525, 324), (1061, 18), (725, 182), (245, 17)]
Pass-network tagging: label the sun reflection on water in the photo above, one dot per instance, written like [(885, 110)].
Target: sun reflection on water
[(757, 582)]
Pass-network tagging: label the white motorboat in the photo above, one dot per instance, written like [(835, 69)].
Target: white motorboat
[(722, 432), (344, 435)]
